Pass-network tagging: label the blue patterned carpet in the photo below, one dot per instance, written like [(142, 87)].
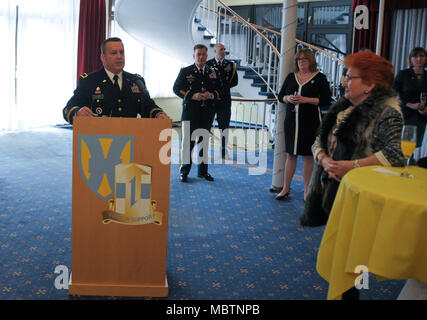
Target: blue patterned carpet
[(228, 239)]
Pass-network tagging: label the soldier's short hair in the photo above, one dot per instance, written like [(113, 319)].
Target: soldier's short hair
[(113, 39), (200, 46)]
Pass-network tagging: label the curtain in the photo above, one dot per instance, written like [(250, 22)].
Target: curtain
[(408, 31), (367, 38), (92, 26), (159, 70), (46, 44), (7, 56)]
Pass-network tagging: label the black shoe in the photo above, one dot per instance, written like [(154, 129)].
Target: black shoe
[(183, 177), (284, 197), (206, 176)]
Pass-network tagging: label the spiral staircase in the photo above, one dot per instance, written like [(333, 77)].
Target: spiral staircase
[(174, 27)]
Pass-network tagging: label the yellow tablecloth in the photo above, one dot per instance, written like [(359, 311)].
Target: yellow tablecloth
[(378, 220)]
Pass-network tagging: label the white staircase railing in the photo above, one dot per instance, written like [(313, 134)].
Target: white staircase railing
[(256, 47)]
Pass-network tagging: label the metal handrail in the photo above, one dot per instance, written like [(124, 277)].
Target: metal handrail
[(264, 37), (256, 47)]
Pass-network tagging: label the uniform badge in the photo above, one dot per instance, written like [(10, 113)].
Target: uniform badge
[(84, 75), (212, 75), (135, 88), (228, 68), (98, 110), (98, 90), (190, 79)]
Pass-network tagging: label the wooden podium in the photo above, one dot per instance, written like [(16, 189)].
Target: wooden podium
[(120, 207)]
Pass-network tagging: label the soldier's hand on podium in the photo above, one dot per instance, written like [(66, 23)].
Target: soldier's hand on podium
[(85, 112)]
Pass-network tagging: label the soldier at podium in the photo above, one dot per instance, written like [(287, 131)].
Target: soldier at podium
[(199, 87), (111, 91)]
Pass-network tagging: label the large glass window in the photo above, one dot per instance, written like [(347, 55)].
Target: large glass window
[(41, 58), (336, 42), (331, 15)]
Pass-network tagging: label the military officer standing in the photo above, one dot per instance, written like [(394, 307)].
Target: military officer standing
[(227, 73), (110, 91), (198, 86)]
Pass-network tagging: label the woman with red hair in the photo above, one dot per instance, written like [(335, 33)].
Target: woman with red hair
[(361, 129)]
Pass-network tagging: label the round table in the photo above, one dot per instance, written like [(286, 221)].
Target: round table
[(378, 221)]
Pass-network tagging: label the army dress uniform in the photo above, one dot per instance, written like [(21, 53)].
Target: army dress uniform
[(227, 74), (198, 114), (97, 92)]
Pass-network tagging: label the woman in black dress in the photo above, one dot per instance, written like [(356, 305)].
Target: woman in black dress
[(409, 84), (303, 91)]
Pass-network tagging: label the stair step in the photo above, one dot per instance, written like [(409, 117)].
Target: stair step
[(250, 76), (255, 71), (242, 68), (269, 95), (262, 86)]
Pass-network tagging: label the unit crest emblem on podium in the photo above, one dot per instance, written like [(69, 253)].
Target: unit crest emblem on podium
[(106, 165)]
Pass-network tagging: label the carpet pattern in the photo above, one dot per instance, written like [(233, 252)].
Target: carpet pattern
[(228, 239)]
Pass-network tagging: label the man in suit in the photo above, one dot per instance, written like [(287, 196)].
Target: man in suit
[(198, 86), (227, 73), (111, 91)]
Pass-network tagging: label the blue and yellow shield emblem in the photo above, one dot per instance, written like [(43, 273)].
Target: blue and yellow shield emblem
[(98, 156)]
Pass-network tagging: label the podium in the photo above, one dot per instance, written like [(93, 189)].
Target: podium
[(120, 206)]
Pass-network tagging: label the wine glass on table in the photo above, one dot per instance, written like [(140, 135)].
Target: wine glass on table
[(409, 143)]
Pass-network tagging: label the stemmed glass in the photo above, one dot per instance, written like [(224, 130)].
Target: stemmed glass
[(423, 98), (203, 90), (409, 143)]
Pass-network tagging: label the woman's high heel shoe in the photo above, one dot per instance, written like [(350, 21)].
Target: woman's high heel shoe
[(284, 197)]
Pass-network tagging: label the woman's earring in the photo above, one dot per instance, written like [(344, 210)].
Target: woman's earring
[(366, 92)]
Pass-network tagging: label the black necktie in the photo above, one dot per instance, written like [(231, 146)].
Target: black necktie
[(116, 83)]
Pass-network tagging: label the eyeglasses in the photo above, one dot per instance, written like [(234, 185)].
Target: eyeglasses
[(300, 59), (347, 78)]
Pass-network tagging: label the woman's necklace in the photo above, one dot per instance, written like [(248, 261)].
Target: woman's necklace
[(304, 76)]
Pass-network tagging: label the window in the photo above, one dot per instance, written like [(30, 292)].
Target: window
[(41, 61)]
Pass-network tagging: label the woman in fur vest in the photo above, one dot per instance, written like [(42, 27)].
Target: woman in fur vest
[(362, 129)]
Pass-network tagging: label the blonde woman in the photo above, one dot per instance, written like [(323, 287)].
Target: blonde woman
[(303, 91)]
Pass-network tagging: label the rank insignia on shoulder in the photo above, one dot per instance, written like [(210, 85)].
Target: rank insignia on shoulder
[(83, 75), (138, 75)]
